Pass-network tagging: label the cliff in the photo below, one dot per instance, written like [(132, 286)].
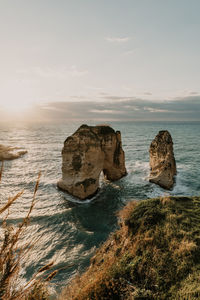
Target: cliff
[(88, 152), (155, 254)]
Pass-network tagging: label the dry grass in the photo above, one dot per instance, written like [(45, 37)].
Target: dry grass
[(125, 213), (11, 255), (154, 255), (184, 247), (165, 199), (1, 170), (10, 202)]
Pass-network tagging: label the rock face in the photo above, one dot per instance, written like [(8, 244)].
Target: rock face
[(90, 150), (9, 153), (162, 161)]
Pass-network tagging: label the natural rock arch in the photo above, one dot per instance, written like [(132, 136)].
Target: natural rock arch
[(87, 152)]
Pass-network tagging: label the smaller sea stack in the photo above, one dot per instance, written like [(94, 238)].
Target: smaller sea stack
[(162, 161), (88, 152), (10, 153)]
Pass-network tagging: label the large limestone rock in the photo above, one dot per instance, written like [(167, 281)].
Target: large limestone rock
[(90, 150), (162, 161), (9, 153)]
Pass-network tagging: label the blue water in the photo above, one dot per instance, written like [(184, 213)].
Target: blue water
[(68, 231)]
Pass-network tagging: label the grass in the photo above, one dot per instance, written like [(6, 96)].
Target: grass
[(1, 170), (154, 255), (11, 254)]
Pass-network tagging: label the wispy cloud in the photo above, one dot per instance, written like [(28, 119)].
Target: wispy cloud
[(148, 93), (154, 110), (194, 93), (124, 109), (117, 39), (94, 88), (60, 73), (105, 111)]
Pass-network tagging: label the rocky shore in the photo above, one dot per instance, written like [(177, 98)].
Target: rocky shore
[(10, 153)]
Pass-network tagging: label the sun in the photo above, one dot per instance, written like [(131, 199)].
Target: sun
[(16, 101), (16, 107), (16, 111)]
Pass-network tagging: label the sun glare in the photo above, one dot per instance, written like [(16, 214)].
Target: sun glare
[(16, 107)]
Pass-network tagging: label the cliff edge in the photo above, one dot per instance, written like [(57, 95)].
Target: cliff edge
[(155, 254)]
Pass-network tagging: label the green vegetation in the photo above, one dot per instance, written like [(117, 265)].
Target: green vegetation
[(154, 255)]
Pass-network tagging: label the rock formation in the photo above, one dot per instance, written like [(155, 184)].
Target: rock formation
[(87, 152), (9, 153), (162, 161)]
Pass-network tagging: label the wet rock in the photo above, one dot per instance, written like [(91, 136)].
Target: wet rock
[(9, 153), (90, 150), (162, 161)]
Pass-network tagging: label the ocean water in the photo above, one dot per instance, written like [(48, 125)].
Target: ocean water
[(68, 231)]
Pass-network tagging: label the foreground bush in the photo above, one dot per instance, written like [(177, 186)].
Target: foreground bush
[(154, 255)]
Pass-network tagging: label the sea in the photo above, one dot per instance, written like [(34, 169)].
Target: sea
[(65, 230)]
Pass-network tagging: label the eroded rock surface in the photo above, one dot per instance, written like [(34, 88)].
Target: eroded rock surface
[(90, 150), (162, 161), (9, 153)]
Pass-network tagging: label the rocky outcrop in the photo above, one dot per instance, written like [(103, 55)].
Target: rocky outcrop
[(162, 161), (90, 150), (9, 153)]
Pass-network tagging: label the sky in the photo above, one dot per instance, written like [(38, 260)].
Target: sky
[(99, 59)]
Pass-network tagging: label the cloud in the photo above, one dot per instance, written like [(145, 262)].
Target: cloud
[(94, 88), (151, 109), (59, 73), (194, 93), (148, 93), (117, 98), (105, 111), (117, 39), (124, 109)]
